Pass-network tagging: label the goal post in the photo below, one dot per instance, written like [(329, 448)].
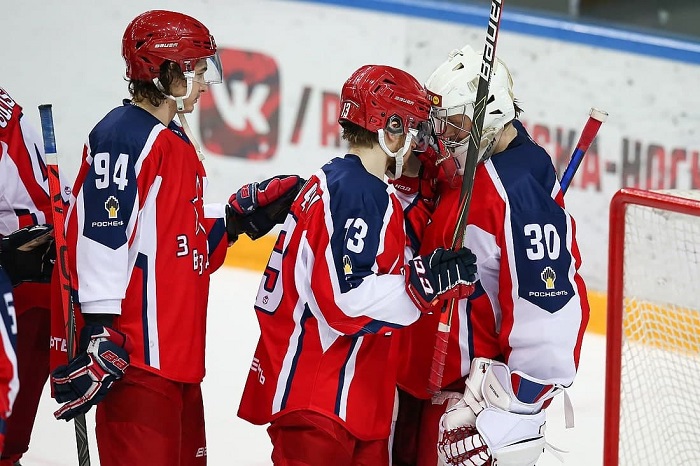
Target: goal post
[(653, 329)]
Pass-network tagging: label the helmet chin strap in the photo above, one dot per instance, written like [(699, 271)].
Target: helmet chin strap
[(398, 155), (180, 100)]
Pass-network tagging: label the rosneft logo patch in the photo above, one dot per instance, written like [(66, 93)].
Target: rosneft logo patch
[(112, 206), (548, 277), (347, 265)]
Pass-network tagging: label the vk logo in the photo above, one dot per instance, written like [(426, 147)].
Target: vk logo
[(240, 117)]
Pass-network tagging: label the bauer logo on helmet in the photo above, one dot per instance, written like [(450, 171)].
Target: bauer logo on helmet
[(404, 100)]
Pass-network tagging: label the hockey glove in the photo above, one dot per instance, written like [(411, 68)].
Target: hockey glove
[(28, 254), (442, 275), (257, 207), (425, 185), (85, 380)]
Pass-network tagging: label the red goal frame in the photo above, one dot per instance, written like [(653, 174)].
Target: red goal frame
[(615, 304)]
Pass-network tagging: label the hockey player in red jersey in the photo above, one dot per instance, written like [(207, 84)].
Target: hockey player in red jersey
[(142, 245), (24, 205), (520, 331), (340, 281), (9, 379)]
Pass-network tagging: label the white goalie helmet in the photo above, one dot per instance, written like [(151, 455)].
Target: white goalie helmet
[(452, 90)]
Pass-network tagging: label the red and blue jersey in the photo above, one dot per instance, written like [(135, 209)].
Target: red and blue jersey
[(9, 380), (328, 304), (530, 308), (24, 195), (24, 189), (141, 241)]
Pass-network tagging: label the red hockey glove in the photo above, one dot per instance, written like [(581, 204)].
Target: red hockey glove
[(437, 172), (425, 184), (28, 254), (428, 176), (442, 275), (86, 379), (257, 207)]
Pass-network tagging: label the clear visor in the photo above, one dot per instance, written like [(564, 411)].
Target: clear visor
[(421, 135), (419, 130), (213, 73)]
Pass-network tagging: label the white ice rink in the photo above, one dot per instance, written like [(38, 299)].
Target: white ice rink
[(232, 337)]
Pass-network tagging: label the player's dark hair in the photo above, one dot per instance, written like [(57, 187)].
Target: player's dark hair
[(170, 73), (358, 136)]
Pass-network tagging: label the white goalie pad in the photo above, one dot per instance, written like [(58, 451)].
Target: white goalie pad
[(491, 413), (513, 439), (497, 389)]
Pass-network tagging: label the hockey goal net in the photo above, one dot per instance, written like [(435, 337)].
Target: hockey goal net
[(652, 408)]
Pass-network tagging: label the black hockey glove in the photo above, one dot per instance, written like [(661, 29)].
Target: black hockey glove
[(85, 380), (28, 254), (439, 276), (257, 207)]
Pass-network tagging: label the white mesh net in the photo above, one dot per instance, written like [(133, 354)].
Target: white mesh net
[(659, 411)]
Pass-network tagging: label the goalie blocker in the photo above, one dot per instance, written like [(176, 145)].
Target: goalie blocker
[(500, 418)]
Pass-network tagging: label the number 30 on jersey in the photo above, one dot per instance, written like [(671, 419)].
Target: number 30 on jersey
[(544, 241)]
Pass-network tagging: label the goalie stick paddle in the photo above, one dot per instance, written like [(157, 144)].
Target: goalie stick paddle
[(482, 94), (595, 119), (58, 214)]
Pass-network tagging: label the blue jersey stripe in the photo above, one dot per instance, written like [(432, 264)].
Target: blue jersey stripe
[(341, 377), (142, 264), (295, 360)]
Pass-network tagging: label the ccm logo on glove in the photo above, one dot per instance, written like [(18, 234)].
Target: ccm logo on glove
[(448, 275), (118, 362)]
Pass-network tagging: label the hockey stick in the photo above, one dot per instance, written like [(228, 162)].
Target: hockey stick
[(482, 94), (590, 130), (59, 215), (595, 119)]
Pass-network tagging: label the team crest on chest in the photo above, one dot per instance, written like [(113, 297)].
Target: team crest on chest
[(347, 265), (112, 206), (198, 204)]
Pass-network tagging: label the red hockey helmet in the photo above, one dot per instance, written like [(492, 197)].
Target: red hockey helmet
[(375, 95), (159, 35)]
